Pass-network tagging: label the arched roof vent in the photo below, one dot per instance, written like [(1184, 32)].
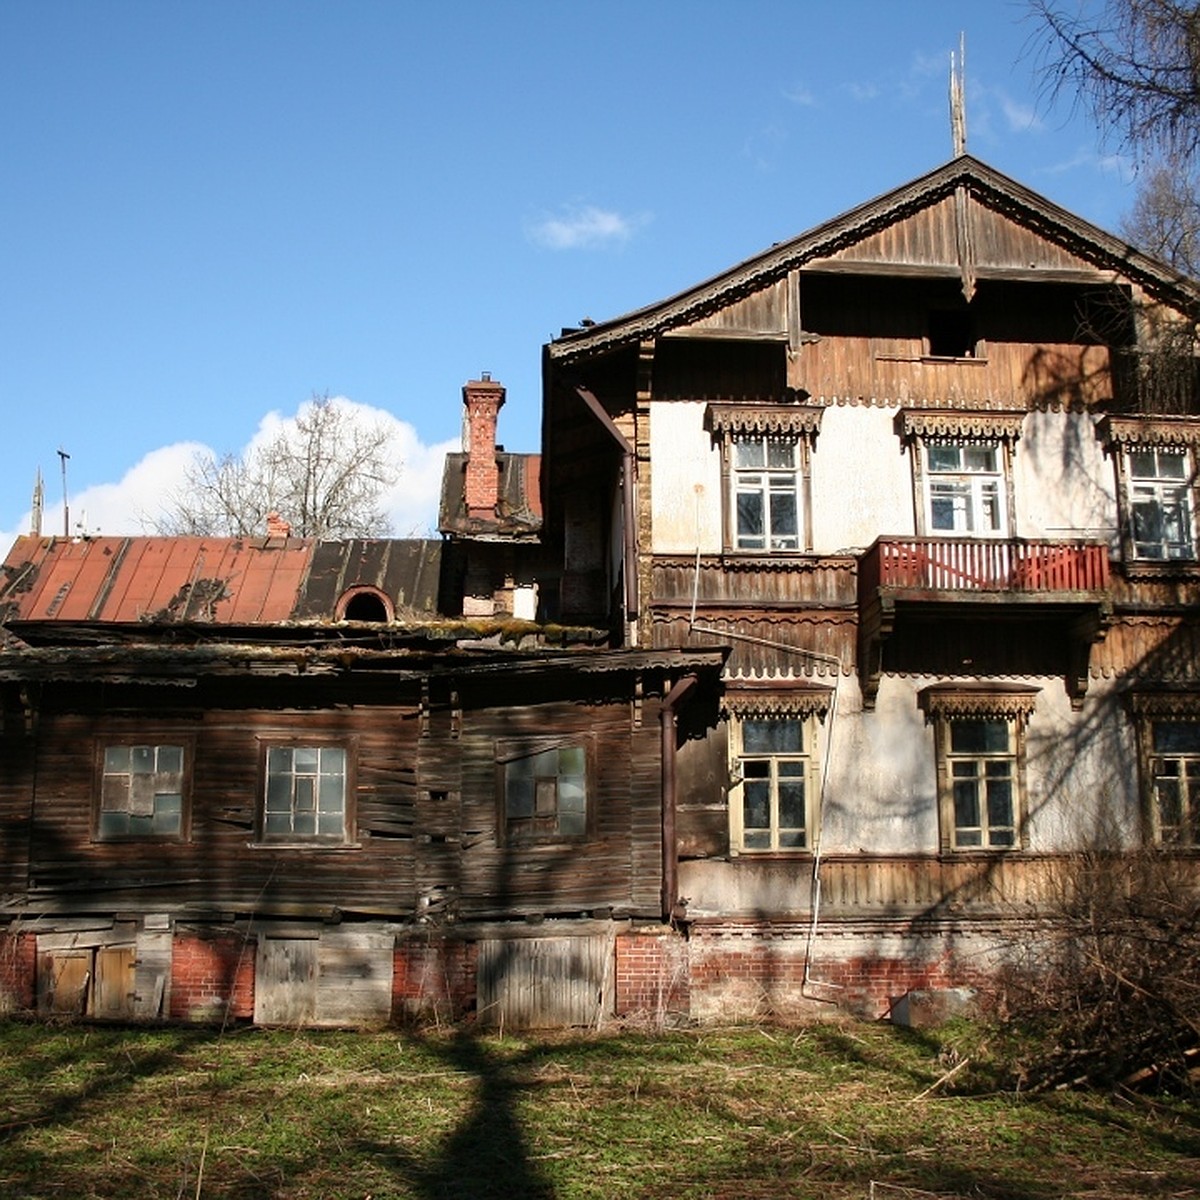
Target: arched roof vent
[(364, 603)]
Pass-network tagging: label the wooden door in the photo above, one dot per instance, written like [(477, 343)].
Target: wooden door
[(285, 981), (113, 991), (540, 983)]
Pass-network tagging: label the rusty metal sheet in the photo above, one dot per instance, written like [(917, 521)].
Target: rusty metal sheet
[(128, 580)]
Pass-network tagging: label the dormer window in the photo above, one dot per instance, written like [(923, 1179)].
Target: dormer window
[(365, 604)]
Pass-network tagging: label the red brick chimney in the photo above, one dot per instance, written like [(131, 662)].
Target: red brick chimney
[(277, 526), (482, 399)]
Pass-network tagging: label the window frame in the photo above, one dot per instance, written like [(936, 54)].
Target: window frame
[(507, 751), (1125, 438), (923, 430), (347, 838), (807, 705), (945, 707), (1150, 711), (158, 739), (785, 421)]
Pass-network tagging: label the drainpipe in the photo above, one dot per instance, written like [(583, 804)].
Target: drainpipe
[(670, 861), (628, 461)]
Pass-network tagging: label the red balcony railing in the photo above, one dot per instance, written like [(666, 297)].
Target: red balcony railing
[(983, 565)]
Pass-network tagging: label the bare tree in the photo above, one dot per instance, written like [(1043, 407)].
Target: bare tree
[(1135, 63), (323, 472), (1165, 218)]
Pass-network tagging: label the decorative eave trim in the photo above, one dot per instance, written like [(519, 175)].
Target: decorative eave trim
[(958, 701), (797, 420), (935, 423), (779, 700), (1165, 704), (1127, 432)]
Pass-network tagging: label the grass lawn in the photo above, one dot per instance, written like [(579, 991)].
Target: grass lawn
[(826, 1111)]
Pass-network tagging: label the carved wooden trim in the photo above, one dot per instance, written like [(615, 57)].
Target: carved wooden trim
[(1006, 702), (1132, 432), (959, 426), (795, 420)]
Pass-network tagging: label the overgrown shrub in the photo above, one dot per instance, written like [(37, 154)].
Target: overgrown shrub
[(1105, 989)]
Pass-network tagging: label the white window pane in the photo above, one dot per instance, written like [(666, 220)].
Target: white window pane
[(944, 458)]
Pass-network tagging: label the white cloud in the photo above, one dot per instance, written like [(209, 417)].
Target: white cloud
[(1021, 118), (863, 92), (1108, 164), (583, 227), (800, 95), (129, 505)]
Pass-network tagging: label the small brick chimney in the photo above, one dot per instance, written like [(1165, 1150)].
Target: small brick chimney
[(482, 399), (277, 527)]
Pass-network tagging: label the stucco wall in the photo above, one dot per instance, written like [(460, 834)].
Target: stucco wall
[(862, 484)]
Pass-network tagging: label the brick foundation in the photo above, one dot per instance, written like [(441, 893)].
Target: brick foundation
[(18, 971), (748, 971), (652, 975), (212, 978), (433, 979)]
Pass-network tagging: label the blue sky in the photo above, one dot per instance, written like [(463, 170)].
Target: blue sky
[(212, 210)]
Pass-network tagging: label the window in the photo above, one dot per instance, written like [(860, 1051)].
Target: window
[(774, 779), (766, 491), (766, 452), (965, 492), (544, 784), (962, 471), (981, 763), (1155, 461), (1175, 782), (142, 789), (980, 740), (305, 793), (771, 784), (1160, 503)]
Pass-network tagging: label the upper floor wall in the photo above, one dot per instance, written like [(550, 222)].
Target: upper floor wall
[(866, 475)]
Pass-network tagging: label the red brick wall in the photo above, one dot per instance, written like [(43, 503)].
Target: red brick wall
[(652, 974), (209, 974), (18, 971), (434, 978)]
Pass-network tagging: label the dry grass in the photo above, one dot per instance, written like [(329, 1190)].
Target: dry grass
[(828, 1111)]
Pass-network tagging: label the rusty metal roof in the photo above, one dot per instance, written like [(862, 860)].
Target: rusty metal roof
[(519, 503), (223, 581)]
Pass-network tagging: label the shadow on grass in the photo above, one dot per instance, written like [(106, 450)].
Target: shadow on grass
[(488, 1154)]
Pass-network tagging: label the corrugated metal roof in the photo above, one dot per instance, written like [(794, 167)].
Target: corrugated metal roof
[(225, 581)]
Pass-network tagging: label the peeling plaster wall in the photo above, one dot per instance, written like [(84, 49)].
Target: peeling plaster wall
[(861, 481), (685, 498), (1063, 484)]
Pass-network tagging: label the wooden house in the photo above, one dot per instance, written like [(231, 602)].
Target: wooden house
[(851, 598), (266, 779), (928, 471)]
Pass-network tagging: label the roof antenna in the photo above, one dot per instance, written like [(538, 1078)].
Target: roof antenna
[(62, 454), (958, 104)]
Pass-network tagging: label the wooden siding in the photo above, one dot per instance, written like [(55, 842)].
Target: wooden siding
[(766, 581), (864, 887), (424, 839), (929, 237)]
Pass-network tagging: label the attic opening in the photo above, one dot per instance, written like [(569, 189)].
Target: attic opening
[(951, 333), (365, 604), (697, 368)]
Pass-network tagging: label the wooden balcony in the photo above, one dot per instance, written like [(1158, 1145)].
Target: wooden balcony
[(954, 565), (973, 578)]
